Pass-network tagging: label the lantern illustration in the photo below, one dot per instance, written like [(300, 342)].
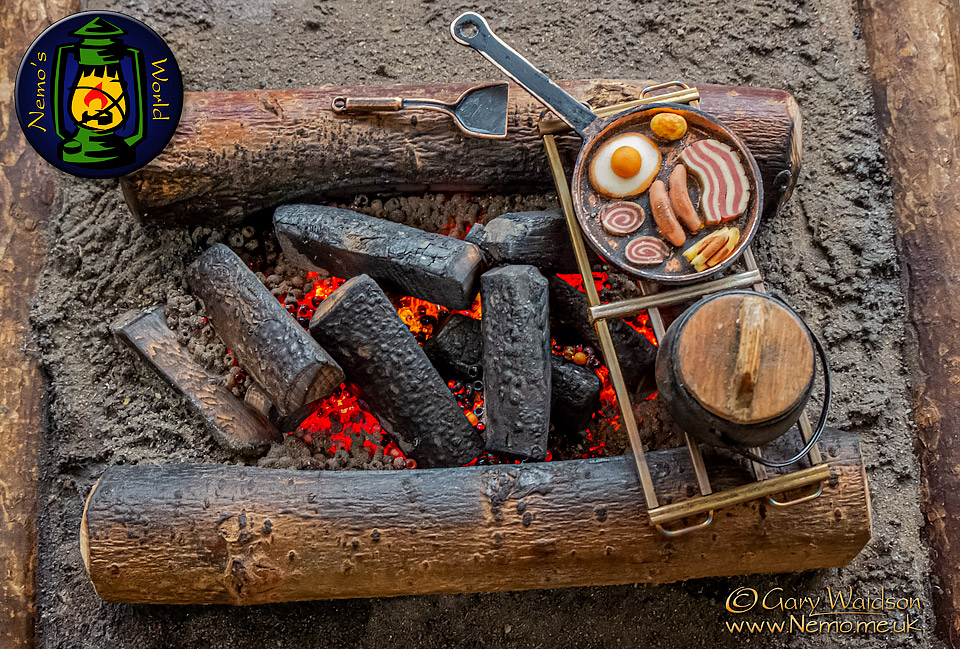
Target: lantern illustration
[(100, 117)]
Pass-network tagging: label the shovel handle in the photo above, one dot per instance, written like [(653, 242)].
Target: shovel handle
[(343, 105)]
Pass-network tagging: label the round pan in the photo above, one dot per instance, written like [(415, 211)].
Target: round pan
[(472, 30)]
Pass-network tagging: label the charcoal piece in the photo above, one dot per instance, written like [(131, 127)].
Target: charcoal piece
[(516, 361), (540, 239), (456, 350), (575, 396), (636, 354), (360, 328), (402, 259), (282, 358)]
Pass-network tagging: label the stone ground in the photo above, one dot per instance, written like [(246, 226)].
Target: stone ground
[(831, 252)]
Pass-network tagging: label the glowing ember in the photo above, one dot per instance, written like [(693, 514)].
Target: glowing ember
[(341, 421)]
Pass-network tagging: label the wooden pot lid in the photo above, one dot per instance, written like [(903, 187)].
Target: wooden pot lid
[(745, 358)]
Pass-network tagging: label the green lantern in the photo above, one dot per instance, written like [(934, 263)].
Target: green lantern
[(100, 101)]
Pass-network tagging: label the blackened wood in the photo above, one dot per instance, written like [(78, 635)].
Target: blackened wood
[(636, 354), (269, 344), (914, 57), (219, 534), (400, 258), (235, 424), (360, 327), (516, 361), (575, 396), (456, 350), (28, 189), (240, 153), (540, 239)]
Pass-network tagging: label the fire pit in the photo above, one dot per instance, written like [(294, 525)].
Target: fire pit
[(421, 388)]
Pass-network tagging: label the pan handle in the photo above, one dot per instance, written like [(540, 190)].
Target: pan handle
[(472, 30)]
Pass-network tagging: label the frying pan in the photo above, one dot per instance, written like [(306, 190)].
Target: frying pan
[(472, 30)]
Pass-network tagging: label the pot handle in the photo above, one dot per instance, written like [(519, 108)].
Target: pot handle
[(827, 395), (472, 30)]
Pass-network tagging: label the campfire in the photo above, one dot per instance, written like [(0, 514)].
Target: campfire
[(341, 430), (349, 335)]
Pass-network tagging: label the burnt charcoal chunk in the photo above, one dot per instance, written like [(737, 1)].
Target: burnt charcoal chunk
[(360, 328), (516, 361), (456, 350), (540, 239), (401, 259), (575, 397), (636, 354), (288, 364)]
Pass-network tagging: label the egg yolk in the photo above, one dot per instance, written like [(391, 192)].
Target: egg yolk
[(626, 162)]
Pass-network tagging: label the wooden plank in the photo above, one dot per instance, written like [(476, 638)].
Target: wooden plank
[(27, 189), (239, 153), (235, 424), (205, 534), (914, 52)]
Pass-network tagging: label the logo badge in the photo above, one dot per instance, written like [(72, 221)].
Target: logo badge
[(99, 94)]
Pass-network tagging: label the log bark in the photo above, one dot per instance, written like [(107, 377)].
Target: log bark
[(27, 191), (914, 52), (516, 361), (269, 344), (568, 309), (235, 424), (239, 153), (402, 259), (540, 239), (217, 534), (360, 327)]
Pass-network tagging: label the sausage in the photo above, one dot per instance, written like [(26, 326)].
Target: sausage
[(663, 214), (680, 200)]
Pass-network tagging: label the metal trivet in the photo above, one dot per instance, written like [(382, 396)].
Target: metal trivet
[(708, 501)]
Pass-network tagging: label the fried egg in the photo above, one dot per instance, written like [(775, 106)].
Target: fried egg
[(625, 165)]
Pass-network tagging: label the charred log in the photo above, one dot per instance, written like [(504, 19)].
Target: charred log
[(575, 396), (402, 259), (540, 239), (457, 349), (361, 329), (636, 354), (276, 351), (516, 361)]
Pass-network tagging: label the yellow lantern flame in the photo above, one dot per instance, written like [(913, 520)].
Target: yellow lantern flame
[(98, 100)]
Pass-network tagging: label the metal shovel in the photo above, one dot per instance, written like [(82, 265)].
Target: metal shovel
[(480, 111)]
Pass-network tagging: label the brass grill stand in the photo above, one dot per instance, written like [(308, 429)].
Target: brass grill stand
[(663, 516)]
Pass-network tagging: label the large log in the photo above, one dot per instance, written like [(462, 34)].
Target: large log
[(361, 329), (238, 153), (235, 424), (914, 52), (27, 193), (516, 361), (400, 258), (217, 534), (283, 359)]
